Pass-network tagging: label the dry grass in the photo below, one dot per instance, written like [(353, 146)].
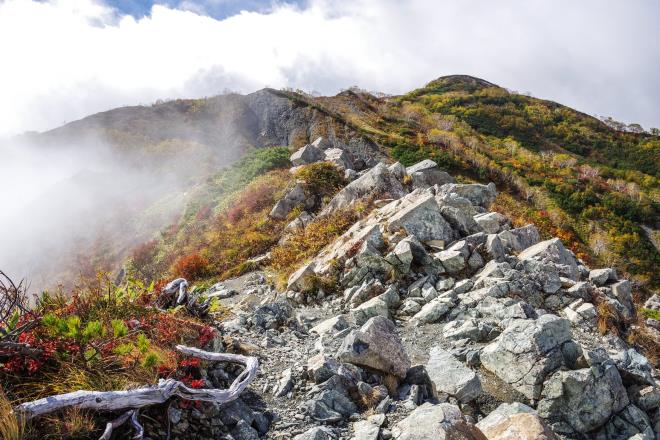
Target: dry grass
[(608, 318), (641, 336), (12, 425), (73, 423)]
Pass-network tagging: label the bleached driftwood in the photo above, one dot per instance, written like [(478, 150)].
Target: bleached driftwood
[(148, 395)]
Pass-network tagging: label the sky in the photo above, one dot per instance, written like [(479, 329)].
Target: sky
[(65, 59)]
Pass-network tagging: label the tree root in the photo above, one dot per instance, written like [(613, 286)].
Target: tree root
[(147, 395)]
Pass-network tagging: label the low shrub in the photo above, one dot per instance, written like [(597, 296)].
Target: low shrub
[(191, 267)]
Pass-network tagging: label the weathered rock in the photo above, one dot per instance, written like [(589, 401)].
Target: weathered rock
[(243, 431), (304, 279), (491, 222), (422, 219), (631, 423), (374, 307), (477, 194), (410, 307), (584, 399), (285, 384), (316, 433), (340, 158), (494, 247), (580, 313), (622, 291), (472, 329), (436, 422), (452, 377), (527, 351), (306, 155), (459, 219), (433, 311), (365, 430), (376, 345), (398, 170), (653, 303), (294, 197), (299, 222), (453, 261), (519, 239), (520, 426), (401, 256), (601, 276), (330, 325), (427, 173), (553, 251), (321, 367), (330, 406), (376, 182)]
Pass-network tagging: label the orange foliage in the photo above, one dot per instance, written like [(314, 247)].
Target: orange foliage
[(191, 266)]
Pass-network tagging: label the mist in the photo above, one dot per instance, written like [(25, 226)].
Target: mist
[(70, 209)]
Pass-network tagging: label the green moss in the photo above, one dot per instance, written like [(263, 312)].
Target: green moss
[(653, 314)]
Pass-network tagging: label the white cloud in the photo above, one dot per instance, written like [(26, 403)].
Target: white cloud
[(64, 59)]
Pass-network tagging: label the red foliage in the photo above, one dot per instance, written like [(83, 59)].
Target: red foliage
[(205, 335), (191, 266), (254, 198)]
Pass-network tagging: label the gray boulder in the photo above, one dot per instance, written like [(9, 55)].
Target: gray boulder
[(553, 251), (330, 406), (433, 310), (584, 399), (452, 377), (515, 421), (601, 276), (397, 170), (316, 433), (519, 239), (427, 173), (376, 345), (376, 182), (340, 158), (436, 422), (477, 194), (306, 155), (422, 219), (303, 279), (492, 222), (527, 351), (293, 198)]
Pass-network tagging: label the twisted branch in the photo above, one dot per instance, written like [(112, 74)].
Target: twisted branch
[(147, 395)]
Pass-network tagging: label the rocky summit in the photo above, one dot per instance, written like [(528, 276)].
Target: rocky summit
[(445, 322)]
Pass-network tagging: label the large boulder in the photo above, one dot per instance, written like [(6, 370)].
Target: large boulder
[(376, 345), (306, 155), (427, 173), (434, 310), (422, 218), (340, 158), (527, 351), (519, 239), (376, 182), (303, 279), (436, 422), (294, 197), (492, 222), (553, 251), (452, 377), (479, 195), (584, 399), (515, 421)]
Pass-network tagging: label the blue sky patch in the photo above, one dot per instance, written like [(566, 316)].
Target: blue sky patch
[(217, 9)]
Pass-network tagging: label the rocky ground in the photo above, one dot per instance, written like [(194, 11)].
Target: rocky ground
[(446, 322)]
